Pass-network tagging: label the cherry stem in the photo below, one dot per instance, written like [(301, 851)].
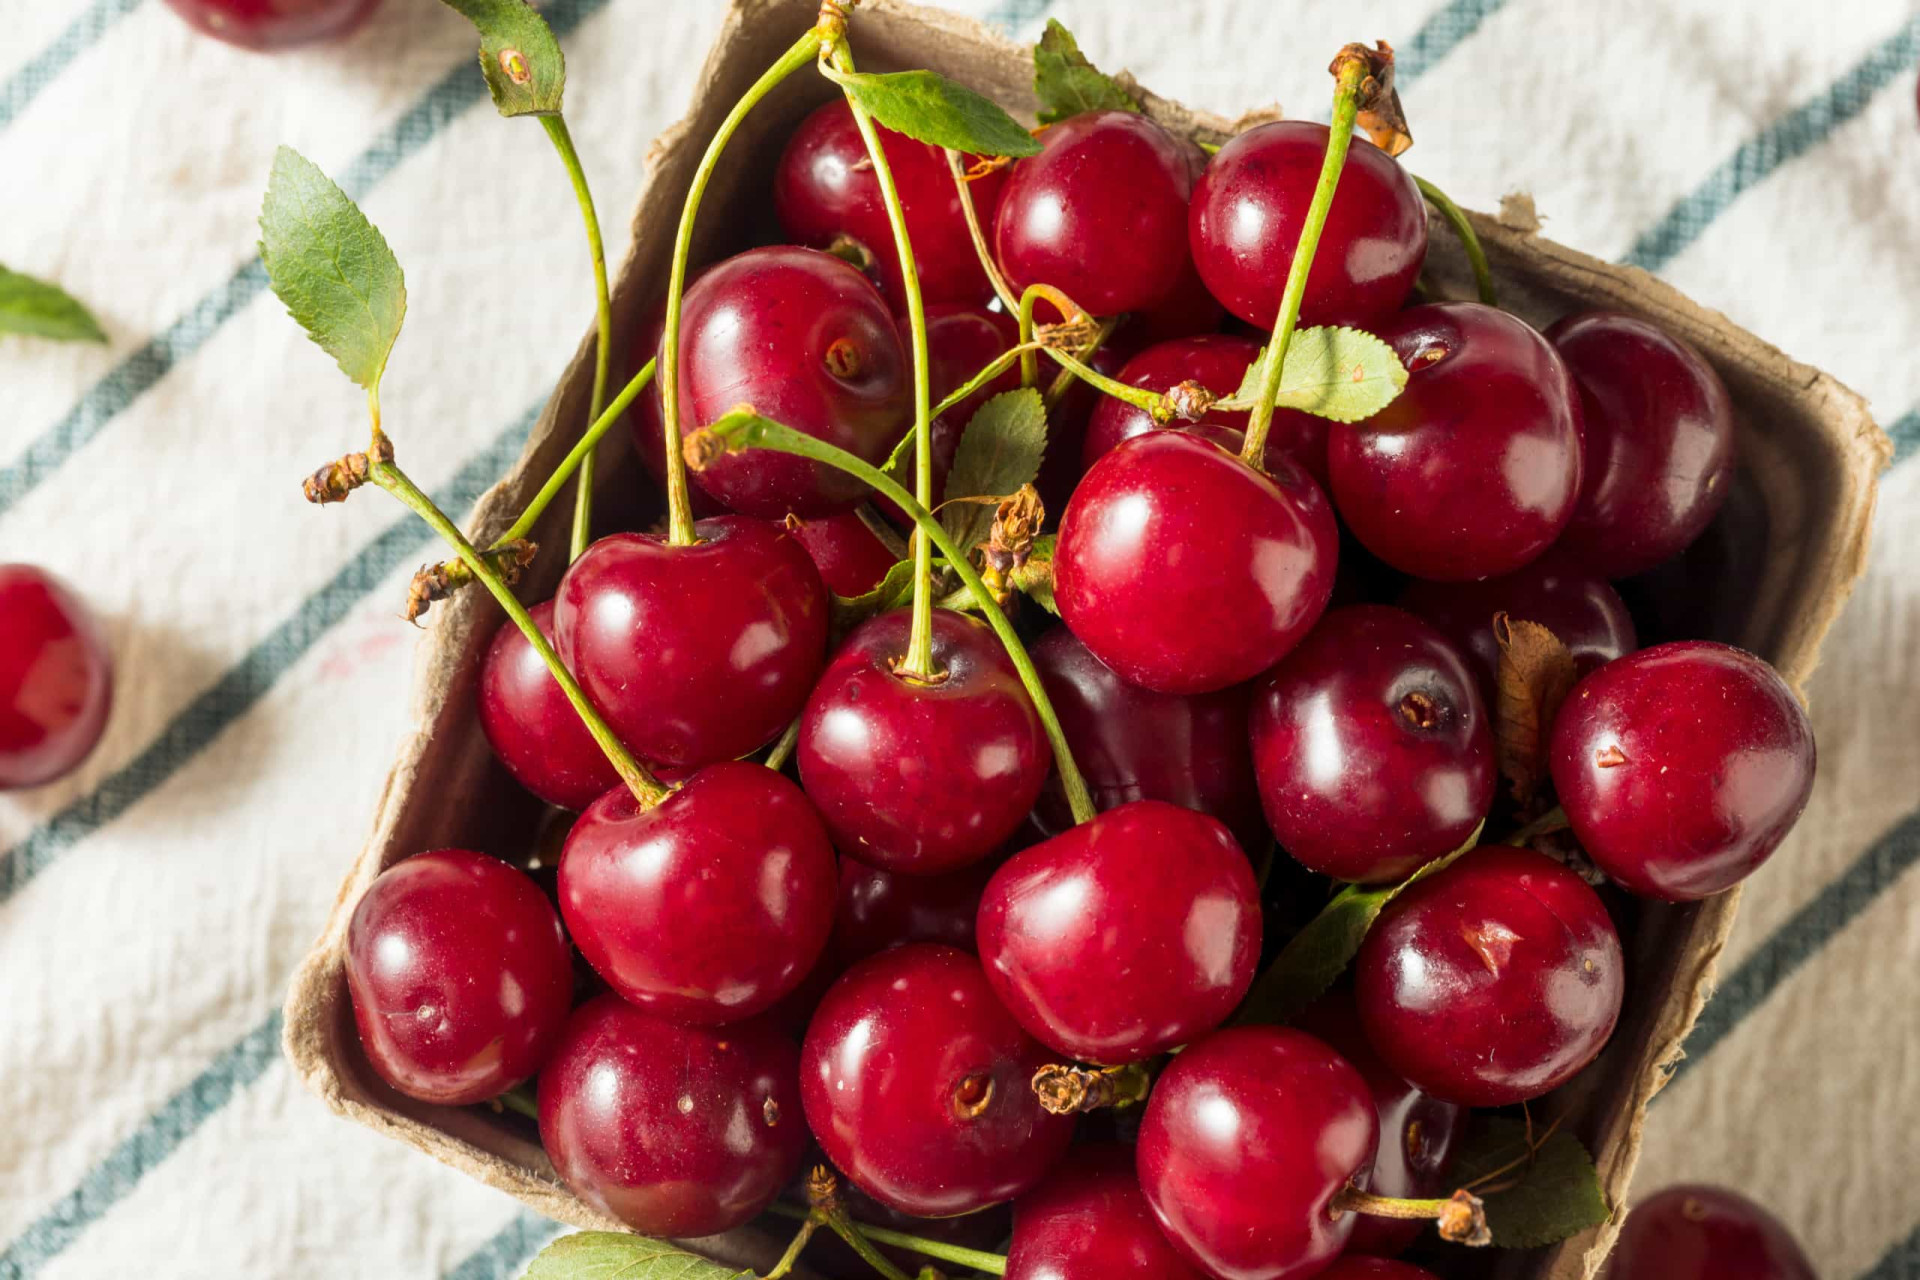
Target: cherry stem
[(812, 1224), (645, 787), (1462, 1217), (1065, 1090), (999, 281), (1064, 380), (679, 501), (991, 1263), (556, 127), (742, 429), (1469, 239), (577, 458), (783, 747), (1152, 402), (1349, 75), (988, 372), (1068, 308), (518, 1100), (1554, 819)]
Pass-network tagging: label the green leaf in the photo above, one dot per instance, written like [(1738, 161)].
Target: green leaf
[(1067, 84), (331, 267), (1345, 375), (1555, 1195), (612, 1255), (847, 612), (43, 310), (1321, 952), (1000, 451), (1035, 577), (935, 110), (518, 55)]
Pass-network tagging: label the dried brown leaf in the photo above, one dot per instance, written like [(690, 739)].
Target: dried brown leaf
[(1536, 672), (1379, 104)]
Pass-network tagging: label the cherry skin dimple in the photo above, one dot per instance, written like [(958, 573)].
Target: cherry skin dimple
[(56, 678), (534, 731), (266, 25), (1089, 1221), (1693, 1232), (459, 974), (1682, 767)]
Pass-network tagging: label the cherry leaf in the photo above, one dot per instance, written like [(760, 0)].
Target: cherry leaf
[(1035, 577), (1000, 451), (1537, 1201), (937, 111), (1345, 375), (331, 267), (1535, 674), (519, 56), (614, 1255), (41, 310), (847, 612), (1069, 85)]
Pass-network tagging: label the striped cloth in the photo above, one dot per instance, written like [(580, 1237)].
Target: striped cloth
[(153, 905)]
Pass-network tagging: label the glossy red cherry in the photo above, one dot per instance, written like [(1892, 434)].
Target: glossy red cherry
[(1659, 452), (1372, 746), (700, 653), (1682, 767), (1187, 571), (1247, 1138), (709, 907), (918, 1085), (880, 909), (961, 341), (533, 729), (1493, 981), (1694, 1232), (1100, 213), (1125, 936), (56, 678), (1135, 744), (849, 555), (914, 776), (825, 188), (1474, 468), (1250, 204), (676, 1131), (265, 25), (807, 340), (1189, 311), (459, 974), (1089, 1221), (646, 422)]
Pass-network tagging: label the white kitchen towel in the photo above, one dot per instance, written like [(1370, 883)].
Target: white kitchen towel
[(1764, 159)]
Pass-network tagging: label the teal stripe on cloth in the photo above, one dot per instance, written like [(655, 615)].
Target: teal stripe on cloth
[(1905, 434), (41, 70), (1902, 1262)]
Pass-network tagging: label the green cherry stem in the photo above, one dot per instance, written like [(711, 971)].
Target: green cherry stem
[(1469, 239), (783, 746), (521, 1101), (1064, 380), (994, 276), (812, 1222), (991, 1263), (1152, 402), (576, 458)]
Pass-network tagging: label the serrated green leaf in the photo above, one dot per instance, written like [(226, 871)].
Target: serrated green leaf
[(41, 310), (1557, 1194), (521, 60), (331, 267), (1346, 375), (847, 612), (612, 1255), (1316, 957), (1001, 449), (935, 110), (1035, 577), (1067, 84)]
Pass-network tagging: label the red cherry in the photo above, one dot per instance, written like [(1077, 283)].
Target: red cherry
[(850, 556), (1694, 1232), (1100, 213), (1247, 1138), (1250, 204), (1187, 312), (709, 907), (880, 909), (459, 974), (695, 654), (807, 340), (1659, 450), (533, 729), (56, 678), (1187, 571), (1355, 1267), (1473, 470), (918, 1085), (961, 341), (1493, 981), (1089, 1221), (646, 419), (266, 25), (1125, 936), (1372, 746), (1682, 767), (676, 1131), (825, 187), (914, 776)]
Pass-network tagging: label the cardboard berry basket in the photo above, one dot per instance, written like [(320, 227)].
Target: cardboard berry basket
[(1771, 576)]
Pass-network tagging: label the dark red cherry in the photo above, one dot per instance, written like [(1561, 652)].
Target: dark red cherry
[(1060, 468), (1187, 571), (807, 340), (1100, 213), (918, 1085), (880, 909), (1250, 204), (709, 907), (1187, 312), (1682, 767), (459, 974), (1135, 744), (1372, 746), (1248, 1137), (915, 776), (646, 422), (266, 25), (850, 556), (1474, 468), (1089, 1221), (1125, 936), (1659, 452), (56, 678), (700, 653), (825, 188), (961, 341), (1352, 1266), (1694, 1232), (676, 1131), (1493, 981), (533, 729)]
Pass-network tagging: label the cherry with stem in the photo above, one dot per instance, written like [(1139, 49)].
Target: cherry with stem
[(998, 278), (975, 1259)]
